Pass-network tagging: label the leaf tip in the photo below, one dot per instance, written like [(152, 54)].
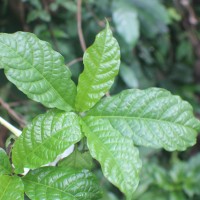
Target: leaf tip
[(107, 24)]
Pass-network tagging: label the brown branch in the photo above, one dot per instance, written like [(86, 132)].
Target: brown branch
[(12, 113), (192, 16), (190, 23), (17, 103), (69, 64), (79, 26)]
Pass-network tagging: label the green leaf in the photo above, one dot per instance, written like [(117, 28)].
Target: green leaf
[(37, 70), (5, 167), (32, 16), (126, 21), (101, 62), (161, 178), (117, 155), (129, 76), (49, 183), (152, 117), (11, 187), (45, 138), (192, 176), (153, 17), (44, 15), (69, 5), (78, 160), (152, 193), (134, 77)]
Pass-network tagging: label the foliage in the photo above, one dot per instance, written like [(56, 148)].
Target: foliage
[(178, 182), (112, 127), (155, 51)]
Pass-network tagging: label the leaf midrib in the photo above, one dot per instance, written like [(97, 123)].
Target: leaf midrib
[(47, 186), (51, 86), (138, 118), (98, 66), (108, 152), (42, 144), (6, 187), (5, 169)]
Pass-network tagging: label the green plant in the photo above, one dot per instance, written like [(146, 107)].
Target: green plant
[(179, 181), (111, 127)]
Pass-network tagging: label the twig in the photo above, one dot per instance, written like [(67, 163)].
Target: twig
[(17, 103), (192, 17), (80, 31), (12, 113), (74, 61)]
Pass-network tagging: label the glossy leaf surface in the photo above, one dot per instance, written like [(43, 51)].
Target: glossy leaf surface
[(117, 155), (5, 167), (101, 65), (49, 183), (37, 70), (11, 187), (45, 138), (78, 160), (152, 117)]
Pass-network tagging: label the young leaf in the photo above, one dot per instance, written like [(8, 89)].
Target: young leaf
[(101, 65), (45, 138), (117, 155), (78, 160), (152, 117), (61, 183), (37, 70), (5, 167), (11, 187)]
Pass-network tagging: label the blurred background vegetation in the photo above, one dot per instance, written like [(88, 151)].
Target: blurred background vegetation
[(160, 46)]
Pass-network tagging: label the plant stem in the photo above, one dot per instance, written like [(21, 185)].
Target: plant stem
[(10, 127), (74, 61), (79, 26), (12, 113)]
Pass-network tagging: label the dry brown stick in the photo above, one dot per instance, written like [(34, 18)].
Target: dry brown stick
[(69, 64), (12, 113), (79, 26)]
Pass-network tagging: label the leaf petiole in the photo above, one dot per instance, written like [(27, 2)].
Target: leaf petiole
[(10, 127)]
